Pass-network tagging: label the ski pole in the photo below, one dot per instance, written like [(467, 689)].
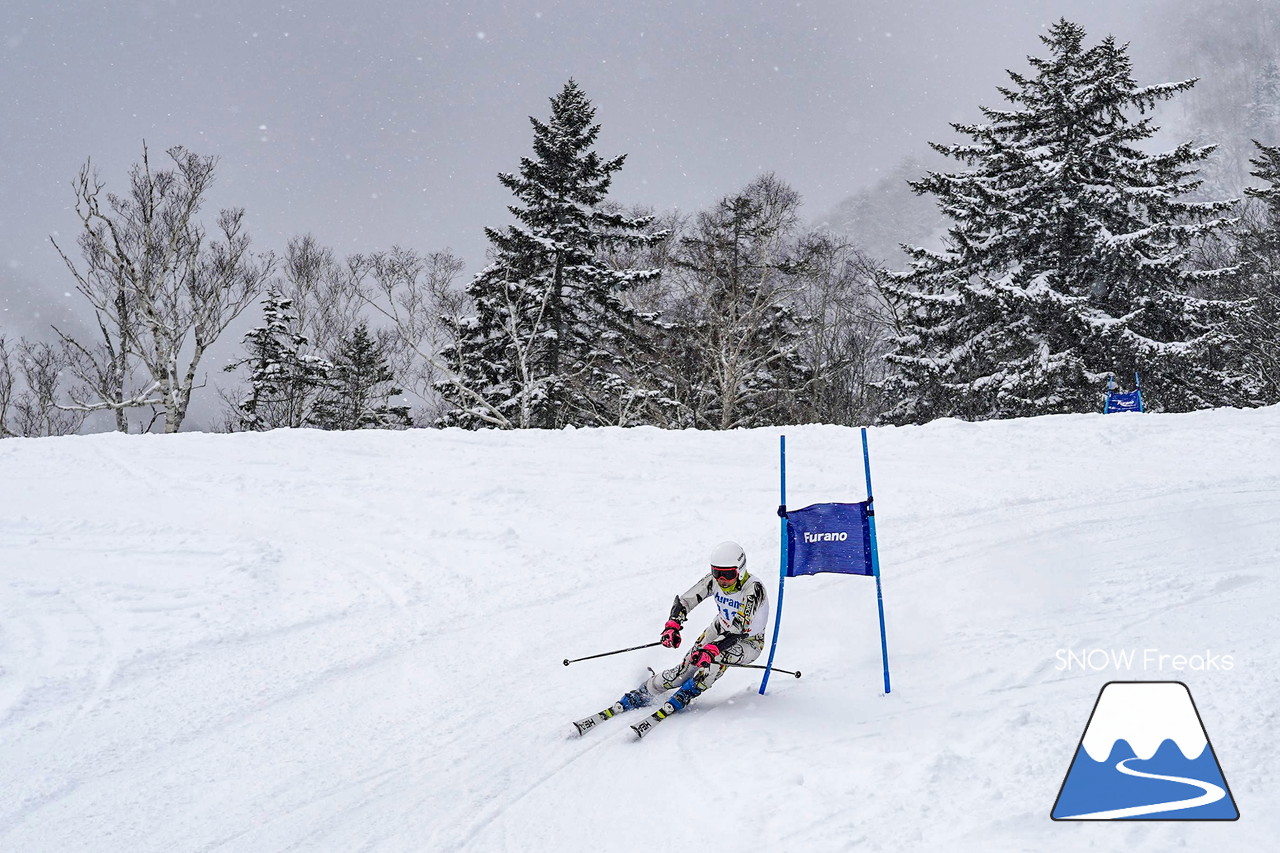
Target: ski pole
[(758, 666), (567, 661)]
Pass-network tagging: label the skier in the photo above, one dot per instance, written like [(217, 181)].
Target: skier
[(735, 636)]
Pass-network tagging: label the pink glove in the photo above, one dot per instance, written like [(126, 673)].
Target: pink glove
[(671, 634), (705, 656)]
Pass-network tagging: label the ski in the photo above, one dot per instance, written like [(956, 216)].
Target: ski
[(587, 723), (645, 726)]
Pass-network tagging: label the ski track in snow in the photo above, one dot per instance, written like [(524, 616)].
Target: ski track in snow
[(308, 641)]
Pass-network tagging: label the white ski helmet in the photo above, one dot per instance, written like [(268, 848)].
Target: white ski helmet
[(729, 555)]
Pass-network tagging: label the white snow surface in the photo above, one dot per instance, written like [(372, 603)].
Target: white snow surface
[(353, 641)]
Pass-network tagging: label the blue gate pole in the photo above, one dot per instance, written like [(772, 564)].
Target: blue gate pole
[(875, 559), (782, 563), (1137, 383)]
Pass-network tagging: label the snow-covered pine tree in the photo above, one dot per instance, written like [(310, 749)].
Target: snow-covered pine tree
[(1067, 254), (1262, 112), (285, 384), (551, 342), (1258, 243), (734, 339), (361, 385)]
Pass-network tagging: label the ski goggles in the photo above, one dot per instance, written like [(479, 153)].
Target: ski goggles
[(728, 574)]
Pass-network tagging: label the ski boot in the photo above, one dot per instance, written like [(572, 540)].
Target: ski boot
[(688, 691), (637, 698)]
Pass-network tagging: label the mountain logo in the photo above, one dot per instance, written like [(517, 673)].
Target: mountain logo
[(1145, 755)]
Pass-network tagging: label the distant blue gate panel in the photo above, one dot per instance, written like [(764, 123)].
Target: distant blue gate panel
[(1127, 402)]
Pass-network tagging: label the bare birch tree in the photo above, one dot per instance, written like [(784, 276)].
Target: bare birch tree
[(847, 336), (7, 388), (324, 291), (734, 334), (418, 296), (163, 289), (30, 407)]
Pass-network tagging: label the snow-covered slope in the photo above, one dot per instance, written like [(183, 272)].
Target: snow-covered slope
[(311, 641)]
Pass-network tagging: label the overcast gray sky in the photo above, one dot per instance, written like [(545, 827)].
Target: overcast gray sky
[(385, 122)]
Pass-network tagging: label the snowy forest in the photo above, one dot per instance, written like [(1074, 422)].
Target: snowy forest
[(1064, 239)]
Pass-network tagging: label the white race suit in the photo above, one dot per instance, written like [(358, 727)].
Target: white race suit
[(738, 629)]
